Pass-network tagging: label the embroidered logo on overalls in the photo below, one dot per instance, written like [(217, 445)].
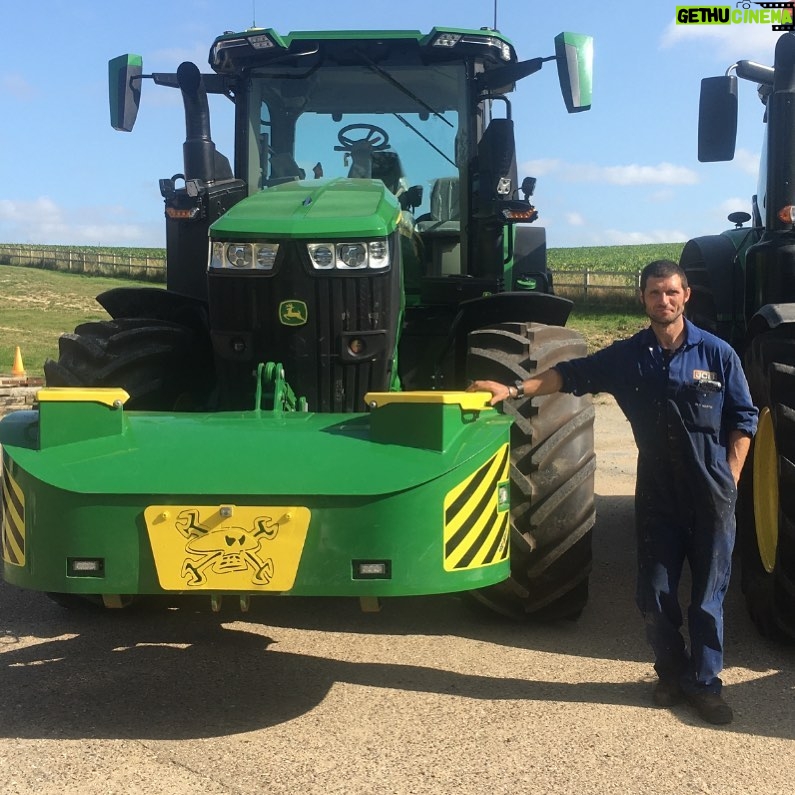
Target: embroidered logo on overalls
[(706, 380)]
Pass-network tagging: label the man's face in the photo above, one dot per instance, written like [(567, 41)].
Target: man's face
[(664, 299)]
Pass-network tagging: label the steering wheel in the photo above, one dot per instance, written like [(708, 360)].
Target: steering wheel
[(376, 137)]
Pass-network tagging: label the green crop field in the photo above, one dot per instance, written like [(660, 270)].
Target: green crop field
[(38, 305), (618, 259), (119, 251)]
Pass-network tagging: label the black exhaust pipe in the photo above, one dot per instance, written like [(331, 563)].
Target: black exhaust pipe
[(202, 161), (186, 237)]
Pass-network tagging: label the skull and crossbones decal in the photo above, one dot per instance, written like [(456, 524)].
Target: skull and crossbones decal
[(225, 549)]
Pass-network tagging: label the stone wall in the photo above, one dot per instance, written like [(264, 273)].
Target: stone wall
[(18, 392)]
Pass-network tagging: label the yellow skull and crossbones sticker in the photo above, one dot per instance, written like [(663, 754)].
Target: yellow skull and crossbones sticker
[(228, 548)]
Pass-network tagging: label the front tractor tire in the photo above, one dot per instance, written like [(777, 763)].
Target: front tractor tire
[(163, 365), (767, 490), (552, 474)]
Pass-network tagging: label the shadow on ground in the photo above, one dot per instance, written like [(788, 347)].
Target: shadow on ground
[(181, 674)]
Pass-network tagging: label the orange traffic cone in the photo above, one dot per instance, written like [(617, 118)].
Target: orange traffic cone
[(18, 370)]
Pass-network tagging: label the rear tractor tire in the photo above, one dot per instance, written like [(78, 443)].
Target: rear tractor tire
[(766, 511), (552, 474)]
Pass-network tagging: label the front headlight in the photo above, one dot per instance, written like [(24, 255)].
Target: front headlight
[(322, 255), (243, 256), (350, 256)]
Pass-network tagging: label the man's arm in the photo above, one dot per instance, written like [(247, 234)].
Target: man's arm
[(542, 384), (737, 451)]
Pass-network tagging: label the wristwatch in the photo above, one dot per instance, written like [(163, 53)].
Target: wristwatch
[(519, 387)]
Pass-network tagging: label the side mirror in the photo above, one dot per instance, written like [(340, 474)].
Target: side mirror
[(411, 198), (717, 119), (574, 58), (124, 90), (502, 78)]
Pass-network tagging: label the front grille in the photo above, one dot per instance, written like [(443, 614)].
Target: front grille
[(340, 307)]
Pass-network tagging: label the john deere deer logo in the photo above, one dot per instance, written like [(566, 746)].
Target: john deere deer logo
[(293, 313)]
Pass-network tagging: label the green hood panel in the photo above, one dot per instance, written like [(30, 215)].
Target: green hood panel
[(336, 208)]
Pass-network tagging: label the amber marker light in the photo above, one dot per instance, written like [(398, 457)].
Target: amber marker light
[(787, 214), (520, 215), (175, 214)]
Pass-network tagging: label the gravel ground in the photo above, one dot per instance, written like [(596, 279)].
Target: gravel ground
[(314, 696)]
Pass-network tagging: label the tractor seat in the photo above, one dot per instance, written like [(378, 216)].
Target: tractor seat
[(284, 167), (387, 168), (440, 229), (445, 210)]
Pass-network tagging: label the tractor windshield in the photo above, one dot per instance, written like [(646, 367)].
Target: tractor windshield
[(400, 124)]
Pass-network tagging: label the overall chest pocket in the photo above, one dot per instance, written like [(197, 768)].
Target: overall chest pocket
[(701, 407)]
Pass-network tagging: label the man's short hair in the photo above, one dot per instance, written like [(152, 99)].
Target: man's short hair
[(662, 269)]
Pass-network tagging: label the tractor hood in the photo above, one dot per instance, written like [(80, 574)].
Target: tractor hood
[(336, 208)]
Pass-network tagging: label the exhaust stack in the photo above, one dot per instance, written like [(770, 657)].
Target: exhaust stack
[(202, 160)]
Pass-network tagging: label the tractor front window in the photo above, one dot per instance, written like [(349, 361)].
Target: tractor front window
[(402, 124)]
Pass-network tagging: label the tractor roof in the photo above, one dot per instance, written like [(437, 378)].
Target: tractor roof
[(233, 52)]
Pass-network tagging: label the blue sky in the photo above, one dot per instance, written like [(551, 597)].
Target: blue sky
[(624, 172)]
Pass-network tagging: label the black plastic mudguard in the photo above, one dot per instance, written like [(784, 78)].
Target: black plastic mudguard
[(514, 307), (155, 303), (771, 316)]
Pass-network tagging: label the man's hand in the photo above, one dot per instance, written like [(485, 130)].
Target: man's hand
[(738, 447), (499, 392), (542, 384)]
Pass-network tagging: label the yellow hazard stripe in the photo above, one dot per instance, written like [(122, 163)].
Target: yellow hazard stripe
[(476, 517), (12, 522)]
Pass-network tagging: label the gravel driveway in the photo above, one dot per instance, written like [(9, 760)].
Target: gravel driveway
[(313, 696)]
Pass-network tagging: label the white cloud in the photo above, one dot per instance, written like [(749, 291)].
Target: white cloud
[(539, 168), (42, 208), (661, 174), (618, 237), (663, 195), (575, 219), (17, 86), (747, 161), (719, 213), (43, 221), (734, 205), (632, 174), (749, 41)]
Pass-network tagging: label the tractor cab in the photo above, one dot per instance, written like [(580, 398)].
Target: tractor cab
[(427, 115), (373, 189)]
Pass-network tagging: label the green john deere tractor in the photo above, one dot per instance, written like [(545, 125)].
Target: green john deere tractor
[(289, 415), (743, 290)]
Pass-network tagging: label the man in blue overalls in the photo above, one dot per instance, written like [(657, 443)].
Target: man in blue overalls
[(685, 395)]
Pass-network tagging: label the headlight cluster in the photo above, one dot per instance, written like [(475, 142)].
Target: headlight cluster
[(349, 256), (243, 256)]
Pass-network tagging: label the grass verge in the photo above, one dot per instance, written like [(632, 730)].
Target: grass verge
[(37, 306)]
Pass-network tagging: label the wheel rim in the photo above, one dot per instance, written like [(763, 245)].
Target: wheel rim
[(766, 490)]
